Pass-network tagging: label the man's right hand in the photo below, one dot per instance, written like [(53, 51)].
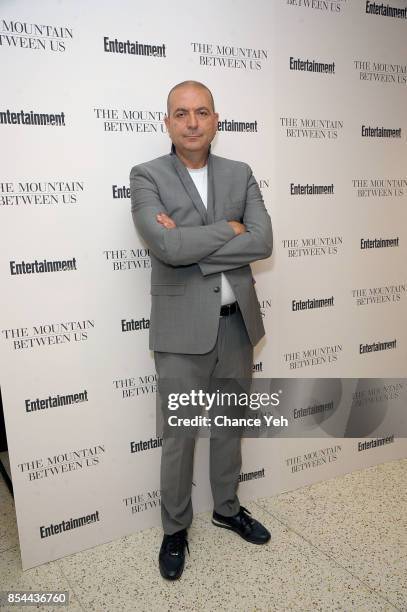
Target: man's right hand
[(237, 227)]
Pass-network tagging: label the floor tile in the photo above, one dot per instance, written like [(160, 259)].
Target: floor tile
[(46, 577), (8, 523), (338, 545), (359, 520), (223, 573)]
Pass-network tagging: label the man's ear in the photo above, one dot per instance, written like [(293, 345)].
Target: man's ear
[(166, 121)]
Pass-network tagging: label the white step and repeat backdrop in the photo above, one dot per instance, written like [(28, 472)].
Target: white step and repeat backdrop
[(313, 96)]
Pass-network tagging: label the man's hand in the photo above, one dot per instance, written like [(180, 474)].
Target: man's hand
[(237, 227), (166, 221)]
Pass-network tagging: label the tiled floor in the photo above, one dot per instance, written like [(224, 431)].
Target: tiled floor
[(337, 545)]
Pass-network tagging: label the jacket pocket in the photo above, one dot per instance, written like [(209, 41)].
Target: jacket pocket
[(170, 289)]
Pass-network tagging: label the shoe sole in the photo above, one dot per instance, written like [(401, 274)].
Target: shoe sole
[(237, 533)]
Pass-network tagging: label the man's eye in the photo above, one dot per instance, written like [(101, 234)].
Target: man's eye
[(203, 113), (179, 114)]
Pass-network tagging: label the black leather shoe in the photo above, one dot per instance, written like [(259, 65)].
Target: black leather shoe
[(172, 555), (241, 523)]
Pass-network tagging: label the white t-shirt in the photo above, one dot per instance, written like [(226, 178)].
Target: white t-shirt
[(200, 178)]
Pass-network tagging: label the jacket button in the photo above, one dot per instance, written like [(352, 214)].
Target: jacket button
[(216, 290)]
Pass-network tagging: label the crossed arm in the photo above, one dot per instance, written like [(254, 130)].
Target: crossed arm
[(220, 246)]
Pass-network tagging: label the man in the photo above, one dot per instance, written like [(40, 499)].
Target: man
[(204, 221)]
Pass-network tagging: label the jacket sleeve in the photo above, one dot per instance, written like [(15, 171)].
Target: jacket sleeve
[(256, 243), (180, 246)]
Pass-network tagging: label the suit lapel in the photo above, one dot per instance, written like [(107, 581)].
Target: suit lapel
[(189, 186), (216, 188), (211, 191)]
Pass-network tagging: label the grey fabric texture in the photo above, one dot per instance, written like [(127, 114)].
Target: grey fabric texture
[(187, 261)]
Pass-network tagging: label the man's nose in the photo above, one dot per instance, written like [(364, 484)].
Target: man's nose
[(192, 121)]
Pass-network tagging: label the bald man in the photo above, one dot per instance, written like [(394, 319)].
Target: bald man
[(204, 221)]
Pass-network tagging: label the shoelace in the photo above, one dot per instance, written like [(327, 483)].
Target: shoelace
[(176, 543), (244, 519)]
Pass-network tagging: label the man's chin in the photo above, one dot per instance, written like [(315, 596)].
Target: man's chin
[(193, 141), (195, 146)]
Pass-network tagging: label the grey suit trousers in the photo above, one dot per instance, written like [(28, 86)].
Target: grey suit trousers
[(230, 358)]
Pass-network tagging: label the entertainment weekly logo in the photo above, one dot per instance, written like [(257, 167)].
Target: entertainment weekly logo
[(248, 476), (378, 345), (144, 445), (130, 120), (128, 47), (385, 294), (379, 243), (385, 10), (46, 266), (313, 459), (217, 55), (298, 189), (136, 386), (67, 524), (379, 131), (48, 334), (55, 401), (143, 501), (29, 117), (380, 187), (312, 303), (311, 128), (367, 444), (62, 463), (313, 246), (312, 410), (311, 357), (120, 192), (381, 72), (41, 193), (311, 65), (128, 259), (128, 325), (34, 36), (231, 125), (257, 367)]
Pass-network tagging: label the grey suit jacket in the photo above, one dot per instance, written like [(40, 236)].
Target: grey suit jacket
[(187, 261)]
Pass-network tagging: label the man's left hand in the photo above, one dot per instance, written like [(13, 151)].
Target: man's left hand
[(166, 221)]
